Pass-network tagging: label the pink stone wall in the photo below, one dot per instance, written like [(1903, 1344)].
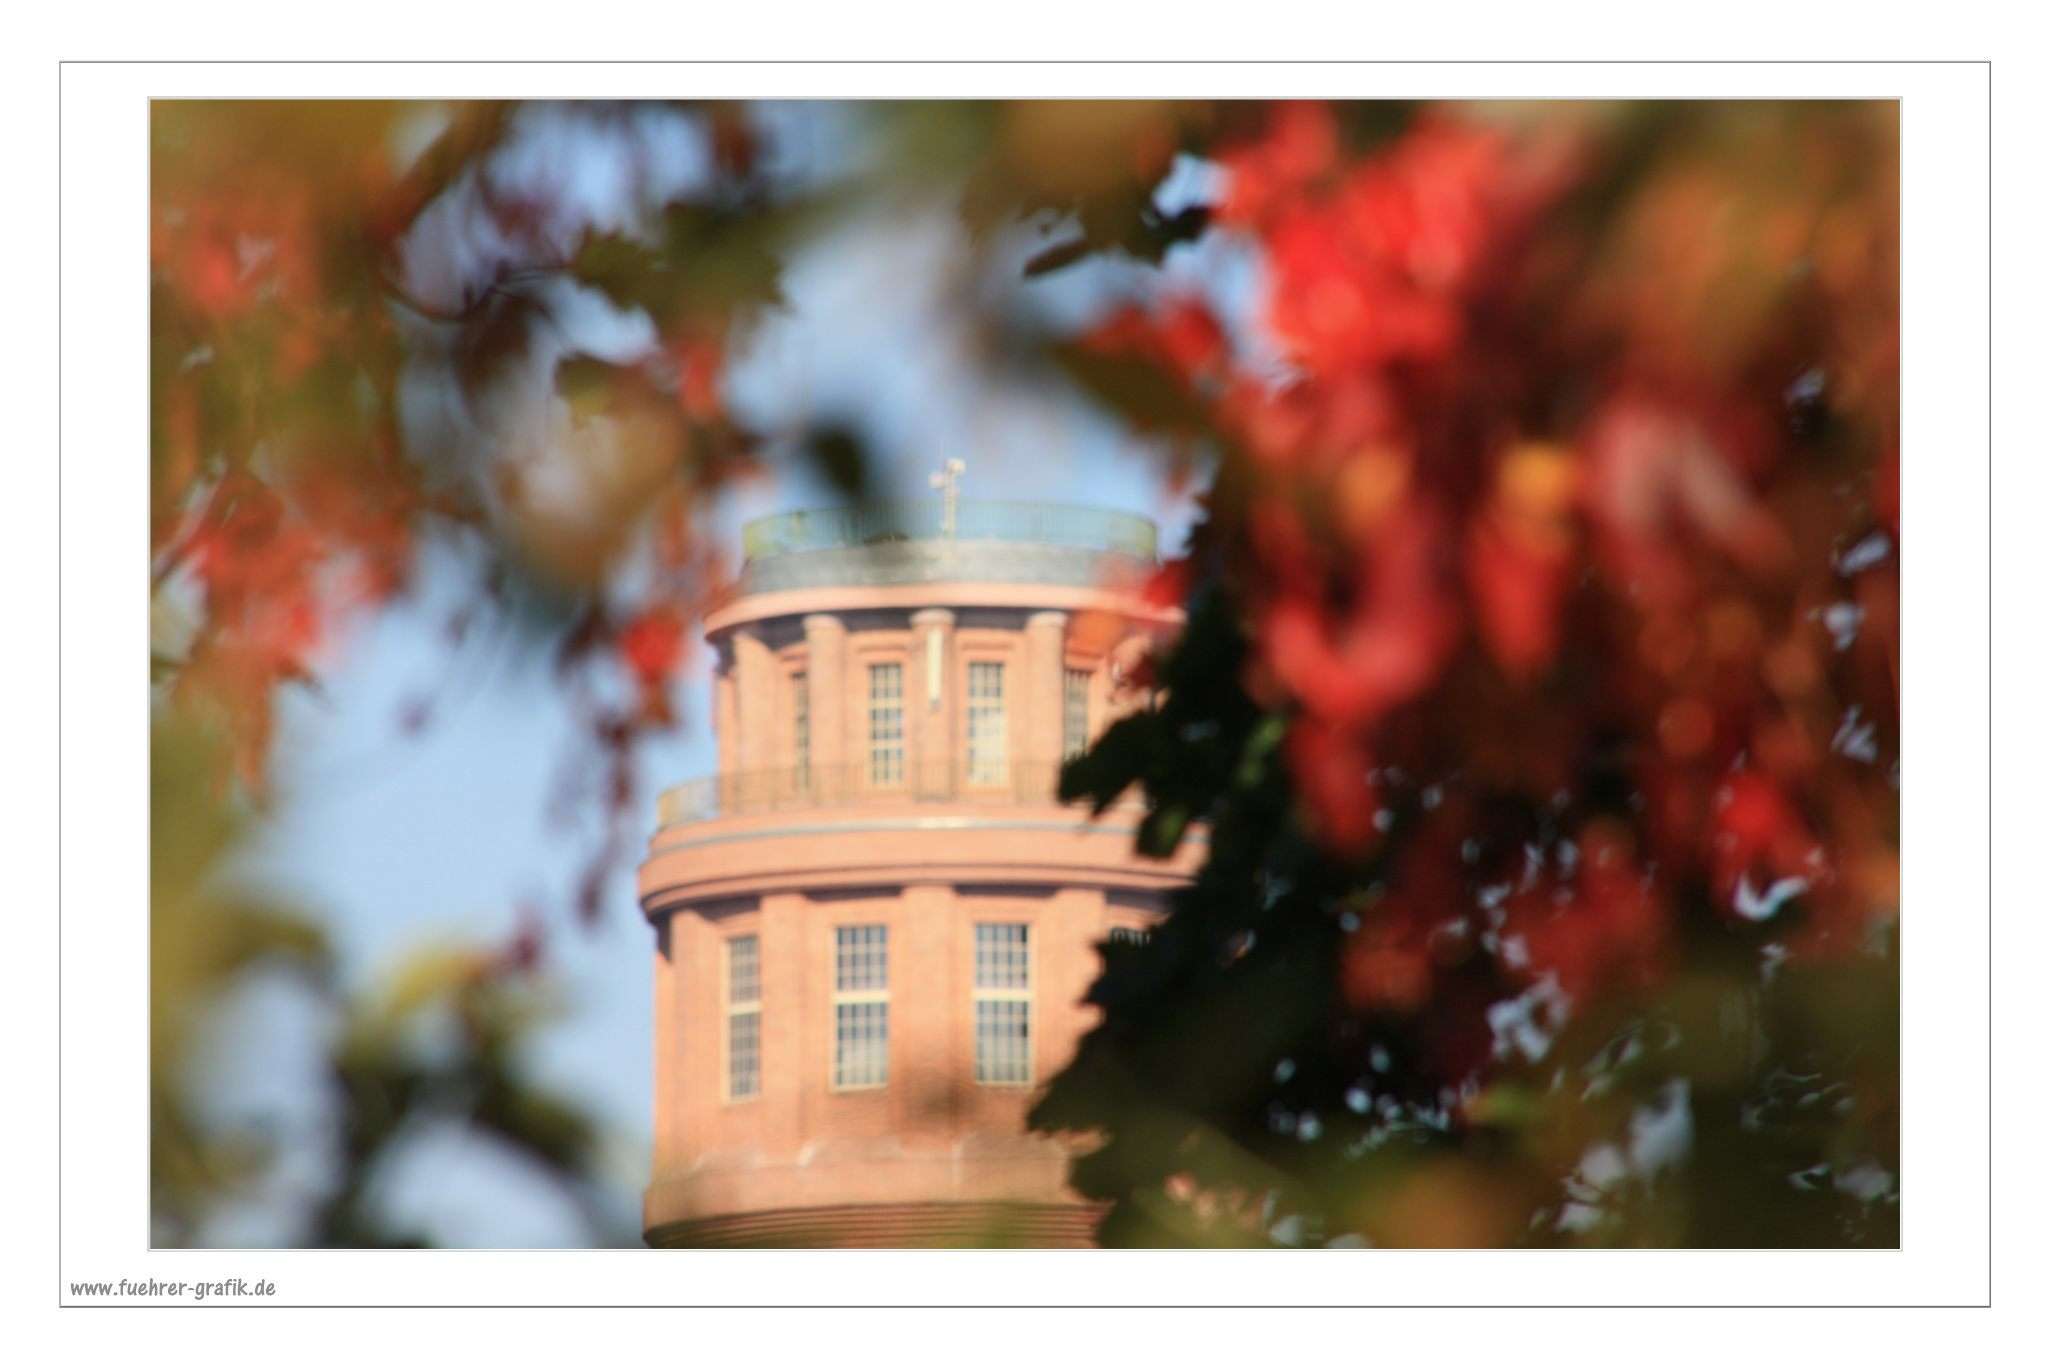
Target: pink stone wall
[(927, 863)]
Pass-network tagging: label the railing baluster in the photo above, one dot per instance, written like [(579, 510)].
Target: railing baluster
[(758, 791), (976, 519)]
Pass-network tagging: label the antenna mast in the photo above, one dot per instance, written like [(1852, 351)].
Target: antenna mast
[(947, 480)]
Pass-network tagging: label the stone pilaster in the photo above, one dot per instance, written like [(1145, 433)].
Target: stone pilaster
[(726, 718), (792, 1032), (668, 1061), (831, 753), (1038, 710), (754, 681), (931, 707), (930, 955)]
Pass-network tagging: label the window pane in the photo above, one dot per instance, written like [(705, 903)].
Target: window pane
[(743, 1017), (862, 958), (1002, 1042), (800, 706), (885, 724), (860, 1053), (987, 735), (1074, 725), (1002, 957), (743, 970), (743, 1054)]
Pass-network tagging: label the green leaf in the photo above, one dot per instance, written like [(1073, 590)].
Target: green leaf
[(1160, 832)]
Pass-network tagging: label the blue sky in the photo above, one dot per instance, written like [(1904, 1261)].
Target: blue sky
[(399, 840)]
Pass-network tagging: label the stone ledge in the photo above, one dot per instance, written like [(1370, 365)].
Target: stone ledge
[(979, 1224)]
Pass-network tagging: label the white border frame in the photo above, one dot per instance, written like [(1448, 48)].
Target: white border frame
[(104, 801)]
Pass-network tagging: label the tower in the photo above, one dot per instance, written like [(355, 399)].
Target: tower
[(875, 923)]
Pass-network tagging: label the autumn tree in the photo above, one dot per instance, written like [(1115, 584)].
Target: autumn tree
[(1538, 701), (1538, 698), (375, 328)]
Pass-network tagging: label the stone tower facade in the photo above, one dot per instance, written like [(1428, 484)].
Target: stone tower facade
[(874, 924)]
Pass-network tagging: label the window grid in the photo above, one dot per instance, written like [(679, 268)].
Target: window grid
[(987, 739), (860, 1007), (885, 725), (1126, 934), (1002, 1042), (742, 1017), (1002, 1004), (800, 706), (861, 959), (1074, 725), (1002, 957)]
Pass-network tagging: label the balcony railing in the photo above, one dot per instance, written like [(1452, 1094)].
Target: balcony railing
[(778, 789), (876, 523)]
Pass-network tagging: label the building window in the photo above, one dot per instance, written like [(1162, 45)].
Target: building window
[(1002, 1004), (860, 1007), (987, 733), (1126, 934), (885, 725), (1074, 715), (800, 711), (742, 1017)]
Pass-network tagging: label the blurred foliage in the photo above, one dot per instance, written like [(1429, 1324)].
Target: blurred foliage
[(365, 336), (1538, 699), (203, 939), (438, 1043), (1538, 696)]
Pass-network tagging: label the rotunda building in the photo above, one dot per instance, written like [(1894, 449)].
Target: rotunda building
[(875, 923)]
